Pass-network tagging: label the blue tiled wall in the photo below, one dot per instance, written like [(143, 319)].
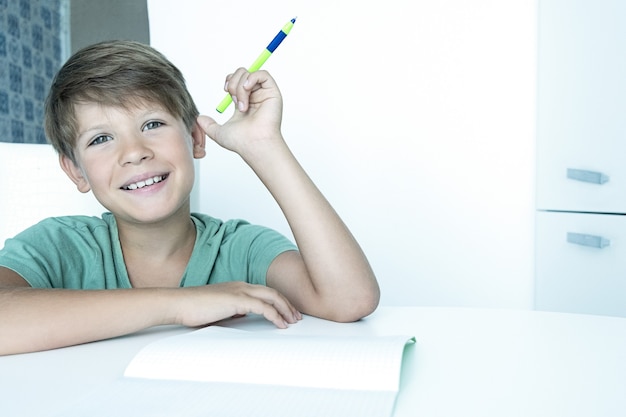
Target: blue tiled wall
[(34, 35)]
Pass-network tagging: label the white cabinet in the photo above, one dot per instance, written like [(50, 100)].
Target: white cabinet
[(581, 157), (581, 263)]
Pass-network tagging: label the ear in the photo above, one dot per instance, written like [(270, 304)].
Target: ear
[(75, 173), (199, 141)]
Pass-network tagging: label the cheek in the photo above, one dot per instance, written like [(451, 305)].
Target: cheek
[(95, 172), (186, 152)]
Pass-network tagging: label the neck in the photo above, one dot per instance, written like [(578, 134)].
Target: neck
[(157, 254), (161, 240)]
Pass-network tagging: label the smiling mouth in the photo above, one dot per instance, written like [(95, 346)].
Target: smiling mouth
[(145, 183)]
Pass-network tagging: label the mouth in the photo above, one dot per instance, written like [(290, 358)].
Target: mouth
[(144, 183)]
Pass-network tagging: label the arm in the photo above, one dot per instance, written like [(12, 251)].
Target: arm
[(330, 276), (33, 319)]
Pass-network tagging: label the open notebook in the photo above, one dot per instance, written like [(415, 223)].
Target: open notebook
[(225, 372)]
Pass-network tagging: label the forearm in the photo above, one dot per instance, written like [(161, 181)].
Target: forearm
[(337, 267), (40, 319)]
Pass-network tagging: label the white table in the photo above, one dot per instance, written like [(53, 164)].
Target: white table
[(466, 362)]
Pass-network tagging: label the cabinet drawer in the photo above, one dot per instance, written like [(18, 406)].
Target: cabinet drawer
[(581, 263), (583, 183)]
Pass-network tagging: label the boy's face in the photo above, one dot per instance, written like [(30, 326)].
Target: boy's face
[(138, 161)]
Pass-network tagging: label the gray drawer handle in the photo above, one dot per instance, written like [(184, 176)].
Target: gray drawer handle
[(587, 176), (588, 240)]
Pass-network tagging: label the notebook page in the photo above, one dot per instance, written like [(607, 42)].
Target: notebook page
[(216, 354)]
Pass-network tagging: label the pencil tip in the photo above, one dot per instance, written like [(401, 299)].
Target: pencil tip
[(294, 19)]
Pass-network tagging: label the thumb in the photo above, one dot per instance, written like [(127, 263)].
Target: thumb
[(209, 126)]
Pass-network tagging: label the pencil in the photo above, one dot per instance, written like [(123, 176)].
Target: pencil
[(258, 63)]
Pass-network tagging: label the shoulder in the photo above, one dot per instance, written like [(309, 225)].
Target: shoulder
[(69, 225), (238, 233), (233, 250), (205, 222), (63, 252), (66, 232), (211, 226)]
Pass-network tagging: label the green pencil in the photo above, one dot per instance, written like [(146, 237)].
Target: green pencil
[(258, 63)]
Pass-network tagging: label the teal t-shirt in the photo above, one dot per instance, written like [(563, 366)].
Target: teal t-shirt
[(82, 252)]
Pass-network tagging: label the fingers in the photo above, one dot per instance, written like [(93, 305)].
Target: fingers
[(270, 313), (276, 301), (234, 87), (241, 84), (211, 303), (270, 304)]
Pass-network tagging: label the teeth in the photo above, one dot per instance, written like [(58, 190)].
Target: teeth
[(141, 184)]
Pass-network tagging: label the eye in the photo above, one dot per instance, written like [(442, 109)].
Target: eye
[(153, 124), (100, 139)]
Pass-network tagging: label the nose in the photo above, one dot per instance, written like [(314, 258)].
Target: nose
[(134, 150)]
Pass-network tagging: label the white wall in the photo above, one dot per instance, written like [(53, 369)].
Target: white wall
[(33, 187), (415, 118)]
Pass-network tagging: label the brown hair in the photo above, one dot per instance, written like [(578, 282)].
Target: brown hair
[(113, 73)]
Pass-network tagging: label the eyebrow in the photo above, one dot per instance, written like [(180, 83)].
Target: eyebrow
[(87, 131)]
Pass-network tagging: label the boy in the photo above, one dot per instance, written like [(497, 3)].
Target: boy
[(125, 127)]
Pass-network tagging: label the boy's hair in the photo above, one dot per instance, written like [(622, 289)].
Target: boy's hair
[(113, 73)]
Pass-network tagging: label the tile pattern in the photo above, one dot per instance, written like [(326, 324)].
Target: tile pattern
[(34, 42)]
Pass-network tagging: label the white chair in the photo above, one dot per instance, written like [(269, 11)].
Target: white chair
[(33, 187)]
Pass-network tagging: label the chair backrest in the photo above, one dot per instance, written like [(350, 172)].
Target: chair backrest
[(33, 187)]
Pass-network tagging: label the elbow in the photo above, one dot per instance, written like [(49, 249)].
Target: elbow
[(356, 306), (361, 308)]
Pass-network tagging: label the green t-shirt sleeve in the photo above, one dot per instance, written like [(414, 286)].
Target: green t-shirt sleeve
[(250, 251), (236, 251), (64, 252), (27, 260), (43, 255)]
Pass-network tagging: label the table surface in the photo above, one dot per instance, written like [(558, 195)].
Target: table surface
[(470, 362)]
